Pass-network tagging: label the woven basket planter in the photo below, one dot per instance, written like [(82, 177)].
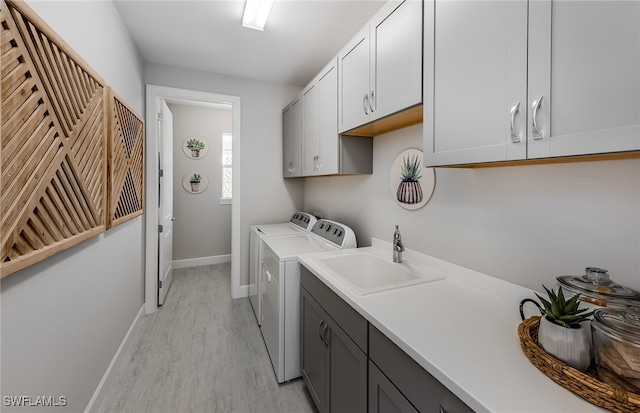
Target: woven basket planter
[(585, 385)]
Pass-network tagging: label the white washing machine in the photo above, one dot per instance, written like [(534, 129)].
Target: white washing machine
[(300, 222), (280, 325)]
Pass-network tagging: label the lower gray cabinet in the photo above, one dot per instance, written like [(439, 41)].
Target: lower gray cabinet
[(415, 385), (334, 367), (384, 397)]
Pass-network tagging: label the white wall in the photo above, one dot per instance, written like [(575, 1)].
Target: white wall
[(203, 226), (64, 318), (266, 197), (525, 224)]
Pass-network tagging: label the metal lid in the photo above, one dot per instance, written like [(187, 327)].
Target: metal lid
[(596, 287), (623, 325)]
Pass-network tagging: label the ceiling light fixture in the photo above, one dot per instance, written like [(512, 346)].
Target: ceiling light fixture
[(256, 13)]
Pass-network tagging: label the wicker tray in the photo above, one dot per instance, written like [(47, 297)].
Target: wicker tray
[(585, 385)]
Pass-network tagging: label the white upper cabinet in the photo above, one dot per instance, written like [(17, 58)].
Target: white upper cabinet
[(320, 123), (584, 63), (505, 81), (380, 69), (475, 70), (292, 139)]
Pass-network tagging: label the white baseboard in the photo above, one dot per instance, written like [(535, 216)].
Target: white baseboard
[(196, 262), (242, 291), (103, 387)]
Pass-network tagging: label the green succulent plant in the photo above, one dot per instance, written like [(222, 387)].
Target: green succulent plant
[(195, 178), (195, 144), (563, 312), (410, 170)]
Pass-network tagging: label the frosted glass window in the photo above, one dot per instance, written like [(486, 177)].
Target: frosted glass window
[(227, 161)]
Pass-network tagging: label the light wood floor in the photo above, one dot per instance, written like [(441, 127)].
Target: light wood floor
[(201, 352)]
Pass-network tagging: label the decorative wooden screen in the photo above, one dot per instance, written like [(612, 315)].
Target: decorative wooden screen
[(126, 162), (53, 153)]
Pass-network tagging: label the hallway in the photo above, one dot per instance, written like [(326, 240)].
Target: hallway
[(201, 352)]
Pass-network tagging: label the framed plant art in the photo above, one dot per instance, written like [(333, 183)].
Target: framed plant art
[(195, 148), (411, 185)]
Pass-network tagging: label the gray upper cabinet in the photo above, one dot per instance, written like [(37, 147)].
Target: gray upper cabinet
[(503, 81), (380, 69), (584, 65), (292, 139), (320, 123)]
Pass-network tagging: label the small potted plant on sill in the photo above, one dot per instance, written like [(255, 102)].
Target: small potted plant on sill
[(562, 332), (195, 182), (409, 191), (195, 145)]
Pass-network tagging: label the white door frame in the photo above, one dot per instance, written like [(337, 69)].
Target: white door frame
[(154, 95)]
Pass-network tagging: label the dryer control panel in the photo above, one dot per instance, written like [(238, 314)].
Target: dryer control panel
[(336, 233), (303, 220)]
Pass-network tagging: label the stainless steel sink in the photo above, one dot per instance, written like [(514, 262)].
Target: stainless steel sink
[(366, 273)]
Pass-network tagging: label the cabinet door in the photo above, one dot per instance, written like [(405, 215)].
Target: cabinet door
[(353, 85), (384, 397), (584, 60), (347, 373), (328, 162), (310, 130), (474, 81), (292, 140), (312, 349), (396, 57)]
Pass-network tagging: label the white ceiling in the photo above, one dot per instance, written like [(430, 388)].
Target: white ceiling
[(300, 37)]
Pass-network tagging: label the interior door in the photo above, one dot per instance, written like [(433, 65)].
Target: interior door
[(165, 202)]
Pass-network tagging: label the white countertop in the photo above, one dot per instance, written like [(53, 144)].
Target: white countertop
[(462, 330)]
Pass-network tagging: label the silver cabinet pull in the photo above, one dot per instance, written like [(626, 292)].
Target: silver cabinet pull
[(372, 99), (291, 168), (318, 163), (364, 103), (537, 134), (514, 134), (320, 330), (325, 338)]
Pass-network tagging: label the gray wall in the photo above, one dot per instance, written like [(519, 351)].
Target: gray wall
[(64, 318), (265, 196), (524, 224), (203, 225)]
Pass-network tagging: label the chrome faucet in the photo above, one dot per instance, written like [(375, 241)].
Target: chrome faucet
[(398, 248)]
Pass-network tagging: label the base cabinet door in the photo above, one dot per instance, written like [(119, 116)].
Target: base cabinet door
[(334, 368), (347, 373), (384, 397), (313, 349)]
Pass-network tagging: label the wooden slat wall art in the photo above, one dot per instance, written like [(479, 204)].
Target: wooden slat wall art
[(53, 151), (126, 161)]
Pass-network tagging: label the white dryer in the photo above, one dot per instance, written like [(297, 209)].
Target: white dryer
[(280, 325), (300, 222)]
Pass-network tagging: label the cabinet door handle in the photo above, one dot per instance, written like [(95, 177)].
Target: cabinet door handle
[(364, 103), (318, 166), (537, 134), (268, 276), (320, 330), (372, 99), (325, 338), (514, 134)]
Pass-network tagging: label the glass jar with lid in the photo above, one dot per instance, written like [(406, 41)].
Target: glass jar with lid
[(616, 346), (595, 287)]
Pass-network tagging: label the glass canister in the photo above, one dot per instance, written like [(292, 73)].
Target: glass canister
[(616, 346), (595, 287)]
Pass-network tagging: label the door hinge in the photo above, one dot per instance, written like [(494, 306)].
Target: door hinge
[(160, 284), (160, 228), (161, 173), (159, 116)]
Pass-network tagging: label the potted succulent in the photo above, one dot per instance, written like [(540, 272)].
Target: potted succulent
[(409, 190), (195, 182), (562, 332), (195, 145)]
